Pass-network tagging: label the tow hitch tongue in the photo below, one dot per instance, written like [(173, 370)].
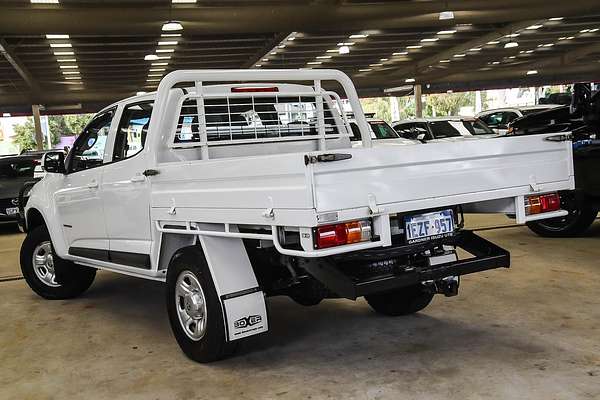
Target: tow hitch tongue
[(447, 286)]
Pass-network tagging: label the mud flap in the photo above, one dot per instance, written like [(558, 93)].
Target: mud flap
[(243, 301)]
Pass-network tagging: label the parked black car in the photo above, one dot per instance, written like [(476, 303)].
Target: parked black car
[(582, 120), (15, 172)]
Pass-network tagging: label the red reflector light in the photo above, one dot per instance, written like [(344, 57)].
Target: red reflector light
[(542, 203), (344, 233), (254, 89)]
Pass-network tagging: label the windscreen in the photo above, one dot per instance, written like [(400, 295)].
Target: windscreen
[(382, 130), (13, 169), (456, 128)]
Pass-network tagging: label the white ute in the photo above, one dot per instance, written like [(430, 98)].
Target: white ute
[(232, 192)]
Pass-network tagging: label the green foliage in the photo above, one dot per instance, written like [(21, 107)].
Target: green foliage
[(378, 105), (24, 135), (59, 125), (447, 103)]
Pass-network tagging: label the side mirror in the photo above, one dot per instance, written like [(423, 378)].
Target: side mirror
[(421, 137), (54, 162)]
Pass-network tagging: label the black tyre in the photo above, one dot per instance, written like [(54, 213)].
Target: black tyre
[(581, 216), (403, 301), (48, 275), (194, 308)]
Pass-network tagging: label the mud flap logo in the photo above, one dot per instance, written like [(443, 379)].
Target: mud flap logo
[(247, 321)]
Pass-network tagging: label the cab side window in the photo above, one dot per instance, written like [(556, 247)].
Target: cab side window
[(404, 130), (88, 149), (493, 119), (132, 130)]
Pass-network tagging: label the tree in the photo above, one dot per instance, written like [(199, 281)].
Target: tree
[(24, 135), (447, 103), (378, 105), (76, 122)]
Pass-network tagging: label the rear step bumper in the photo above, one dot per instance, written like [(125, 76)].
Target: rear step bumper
[(487, 255)]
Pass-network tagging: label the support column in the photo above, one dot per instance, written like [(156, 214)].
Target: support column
[(394, 108), (418, 102), (39, 137)]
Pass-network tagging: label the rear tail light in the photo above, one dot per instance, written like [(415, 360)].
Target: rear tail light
[(542, 203), (344, 233)]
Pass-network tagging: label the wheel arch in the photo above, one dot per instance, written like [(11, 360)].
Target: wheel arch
[(34, 218)]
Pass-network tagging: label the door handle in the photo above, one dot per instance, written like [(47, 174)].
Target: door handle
[(92, 184), (138, 178)]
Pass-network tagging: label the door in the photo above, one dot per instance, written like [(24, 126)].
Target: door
[(126, 191), (78, 202)]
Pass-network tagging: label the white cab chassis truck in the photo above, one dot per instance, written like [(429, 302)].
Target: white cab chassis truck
[(234, 185)]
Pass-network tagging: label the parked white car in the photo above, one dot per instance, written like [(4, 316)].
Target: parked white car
[(379, 130), (232, 192), (498, 119)]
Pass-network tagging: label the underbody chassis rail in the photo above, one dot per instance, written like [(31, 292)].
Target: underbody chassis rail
[(486, 256)]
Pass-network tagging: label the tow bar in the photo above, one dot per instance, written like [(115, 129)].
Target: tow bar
[(447, 286)]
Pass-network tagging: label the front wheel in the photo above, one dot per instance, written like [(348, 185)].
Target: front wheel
[(581, 216), (48, 275), (194, 309), (403, 301)]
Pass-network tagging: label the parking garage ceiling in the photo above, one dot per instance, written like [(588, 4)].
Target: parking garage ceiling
[(74, 55)]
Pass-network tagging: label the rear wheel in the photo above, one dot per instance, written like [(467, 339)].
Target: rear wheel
[(403, 301), (194, 309), (581, 216), (48, 275)]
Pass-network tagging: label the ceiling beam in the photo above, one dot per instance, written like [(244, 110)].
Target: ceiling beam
[(421, 67), (217, 20), (23, 72)]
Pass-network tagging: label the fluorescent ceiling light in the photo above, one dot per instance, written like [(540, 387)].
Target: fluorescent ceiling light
[(593, 30), (170, 35), (496, 62), (493, 42), (365, 70), (510, 45), (448, 32), (430, 40), (444, 61), (54, 45), (414, 47), (150, 57), (529, 51), (346, 44), (63, 53), (534, 27), (265, 59), (314, 63), (444, 15), (52, 36), (383, 59), (157, 69), (172, 26), (72, 77), (409, 80), (376, 65), (358, 36), (584, 31), (168, 43), (459, 55), (332, 51), (556, 19), (66, 60), (159, 64), (6, 115), (258, 65), (154, 75), (70, 72), (165, 50), (344, 50), (324, 57), (44, 1), (140, 93), (291, 38), (512, 35), (532, 72), (475, 49), (548, 45), (68, 66), (400, 53), (164, 57), (184, 1), (152, 80), (273, 53)]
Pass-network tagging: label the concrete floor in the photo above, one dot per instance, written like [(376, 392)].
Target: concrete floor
[(530, 332)]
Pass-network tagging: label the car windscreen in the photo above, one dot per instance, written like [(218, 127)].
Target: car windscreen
[(12, 169), (445, 129), (477, 127), (382, 130)]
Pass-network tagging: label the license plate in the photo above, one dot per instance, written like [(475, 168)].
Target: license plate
[(433, 225), (12, 210)]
